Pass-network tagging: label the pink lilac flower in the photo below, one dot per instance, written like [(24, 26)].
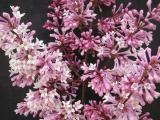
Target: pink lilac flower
[(133, 37), (48, 105), (110, 55), (64, 40), (100, 80), (17, 42), (77, 15), (88, 41), (96, 111), (54, 17), (150, 63)]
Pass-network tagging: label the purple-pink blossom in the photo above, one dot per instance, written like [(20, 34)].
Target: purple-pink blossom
[(109, 56)]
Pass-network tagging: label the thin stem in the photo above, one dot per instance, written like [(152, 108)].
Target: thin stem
[(84, 87)]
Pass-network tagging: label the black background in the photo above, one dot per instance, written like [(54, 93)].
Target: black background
[(36, 13)]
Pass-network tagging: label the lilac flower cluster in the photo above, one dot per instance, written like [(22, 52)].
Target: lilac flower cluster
[(108, 55)]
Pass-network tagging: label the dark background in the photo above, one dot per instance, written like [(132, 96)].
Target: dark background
[(36, 13)]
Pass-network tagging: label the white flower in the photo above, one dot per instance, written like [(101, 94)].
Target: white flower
[(21, 29), (68, 107), (77, 105), (54, 93), (134, 86), (136, 106), (44, 93), (84, 67), (147, 86), (26, 66), (66, 13), (16, 12), (120, 42), (121, 106), (100, 51), (105, 38), (58, 65), (30, 95), (92, 66), (125, 95), (106, 97)]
